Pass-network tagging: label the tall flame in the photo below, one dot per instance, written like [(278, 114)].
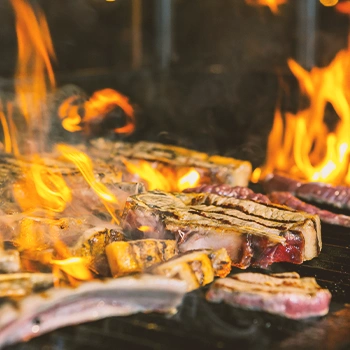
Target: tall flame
[(35, 51), (303, 144)]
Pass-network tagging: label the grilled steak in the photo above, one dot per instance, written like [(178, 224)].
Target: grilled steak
[(197, 268), (56, 308), (135, 256), (286, 198), (283, 198), (213, 169), (230, 191), (336, 196), (285, 294), (252, 232)]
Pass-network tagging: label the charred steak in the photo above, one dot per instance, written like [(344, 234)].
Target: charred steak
[(285, 294), (253, 233)]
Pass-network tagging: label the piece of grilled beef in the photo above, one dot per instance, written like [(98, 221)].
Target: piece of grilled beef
[(196, 268), (322, 193), (136, 256), (168, 158), (284, 294), (253, 233), (283, 198)]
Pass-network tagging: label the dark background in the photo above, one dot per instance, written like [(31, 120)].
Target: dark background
[(219, 87)]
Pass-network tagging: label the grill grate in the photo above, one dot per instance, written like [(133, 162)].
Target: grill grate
[(199, 324)]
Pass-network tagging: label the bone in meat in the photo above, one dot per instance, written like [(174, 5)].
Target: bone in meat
[(56, 308), (282, 294), (252, 233), (9, 261)]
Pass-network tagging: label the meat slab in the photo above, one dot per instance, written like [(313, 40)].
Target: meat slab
[(284, 294), (253, 233)]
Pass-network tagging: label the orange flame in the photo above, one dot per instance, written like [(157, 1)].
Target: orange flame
[(303, 144), (144, 228), (328, 2), (97, 107), (35, 50), (163, 178), (75, 267), (84, 164), (273, 5)]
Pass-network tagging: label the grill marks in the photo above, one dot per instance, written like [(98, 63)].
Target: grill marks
[(251, 232)]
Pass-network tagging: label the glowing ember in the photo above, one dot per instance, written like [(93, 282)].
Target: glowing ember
[(96, 108), (303, 144), (272, 4)]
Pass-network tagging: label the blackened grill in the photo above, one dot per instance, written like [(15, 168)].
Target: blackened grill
[(201, 325)]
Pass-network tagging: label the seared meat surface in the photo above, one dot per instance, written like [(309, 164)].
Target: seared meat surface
[(253, 233), (285, 294)]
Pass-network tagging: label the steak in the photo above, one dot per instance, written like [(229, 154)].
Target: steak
[(253, 233), (284, 294), (168, 158), (335, 196), (283, 198)]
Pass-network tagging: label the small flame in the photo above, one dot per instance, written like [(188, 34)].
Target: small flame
[(97, 107), (84, 164), (144, 228), (188, 180), (302, 144), (41, 187), (75, 267), (273, 5), (162, 178)]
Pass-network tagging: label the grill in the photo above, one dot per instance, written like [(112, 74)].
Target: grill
[(199, 324)]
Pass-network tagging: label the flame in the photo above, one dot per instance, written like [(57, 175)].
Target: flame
[(84, 164), (75, 267), (97, 107), (188, 180), (35, 51), (144, 228), (162, 178), (303, 144), (273, 5), (41, 187)]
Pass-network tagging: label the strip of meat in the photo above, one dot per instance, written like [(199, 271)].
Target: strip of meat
[(39, 314), (213, 169), (20, 284), (283, 294), (230, 191), (135, 256), (336, 196), (197, 268), (286, 198), (252, 232), (283, 198)]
